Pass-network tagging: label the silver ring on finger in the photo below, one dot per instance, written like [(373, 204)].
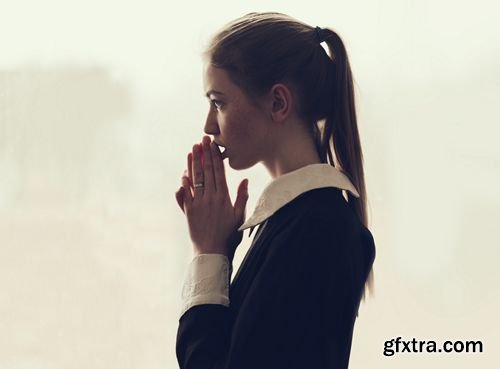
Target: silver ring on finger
[(198, 185)]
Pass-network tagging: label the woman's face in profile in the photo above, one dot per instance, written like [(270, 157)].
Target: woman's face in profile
[(235, 123)]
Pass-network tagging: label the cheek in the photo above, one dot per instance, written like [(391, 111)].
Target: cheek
[(237, 127), (243, 130)]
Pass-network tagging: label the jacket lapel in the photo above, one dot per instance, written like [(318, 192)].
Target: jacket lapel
[(249, 266)]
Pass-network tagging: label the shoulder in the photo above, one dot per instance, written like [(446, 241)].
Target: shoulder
[(321, 221), (319, 209)]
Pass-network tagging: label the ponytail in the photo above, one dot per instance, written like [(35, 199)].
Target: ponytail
[(340, 132)]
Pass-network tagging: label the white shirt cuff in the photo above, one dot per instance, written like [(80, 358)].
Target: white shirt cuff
[(206, 281)]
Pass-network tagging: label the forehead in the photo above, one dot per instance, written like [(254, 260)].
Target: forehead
[(217, 79)]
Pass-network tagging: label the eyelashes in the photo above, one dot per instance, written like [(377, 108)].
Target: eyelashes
[(216, 103)]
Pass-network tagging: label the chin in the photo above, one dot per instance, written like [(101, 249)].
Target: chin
[(239, 165)]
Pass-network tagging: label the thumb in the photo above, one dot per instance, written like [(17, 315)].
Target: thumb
[(179, 196), (241, 200)]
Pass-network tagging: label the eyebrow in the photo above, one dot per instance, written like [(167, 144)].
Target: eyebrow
[(213, 92)]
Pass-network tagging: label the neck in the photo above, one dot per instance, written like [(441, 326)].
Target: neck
[(294, 153)]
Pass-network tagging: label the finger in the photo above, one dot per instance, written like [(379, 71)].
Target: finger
[(186, 174), (188, 199), (202, 161), (179, 196), (197, 170), (241, 200), (190, 186), (190, 167), (219, 172), (208, 168)]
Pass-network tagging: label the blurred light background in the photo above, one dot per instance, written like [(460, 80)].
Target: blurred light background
[(100, 101)]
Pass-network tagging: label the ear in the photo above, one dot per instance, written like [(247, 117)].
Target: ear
[(282, 101)]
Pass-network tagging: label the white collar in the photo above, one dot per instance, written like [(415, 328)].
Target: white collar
[(288, 186)]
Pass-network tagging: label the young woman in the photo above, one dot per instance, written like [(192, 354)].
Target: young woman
[(277, 97)]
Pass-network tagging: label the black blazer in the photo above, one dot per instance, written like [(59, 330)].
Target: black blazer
[(295, 297)]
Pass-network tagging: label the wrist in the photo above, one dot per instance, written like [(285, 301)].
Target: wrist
[(198, 252)]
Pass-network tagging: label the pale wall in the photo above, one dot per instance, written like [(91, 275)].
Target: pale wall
[(101, 101)]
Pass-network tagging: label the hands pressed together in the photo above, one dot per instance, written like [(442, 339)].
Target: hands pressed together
[(204, 198)]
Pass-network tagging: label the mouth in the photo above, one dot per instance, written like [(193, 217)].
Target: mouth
[(222, 149)]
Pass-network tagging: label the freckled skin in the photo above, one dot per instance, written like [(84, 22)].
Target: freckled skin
[(235, 122)]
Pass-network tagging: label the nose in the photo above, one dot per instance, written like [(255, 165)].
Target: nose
[(211, 125)]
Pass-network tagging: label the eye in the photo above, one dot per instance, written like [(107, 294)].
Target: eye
[(217, 104)]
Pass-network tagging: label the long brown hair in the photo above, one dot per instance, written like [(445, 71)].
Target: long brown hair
[(261, 49)]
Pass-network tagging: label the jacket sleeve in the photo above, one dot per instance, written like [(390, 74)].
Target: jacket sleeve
[(279, 324)]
